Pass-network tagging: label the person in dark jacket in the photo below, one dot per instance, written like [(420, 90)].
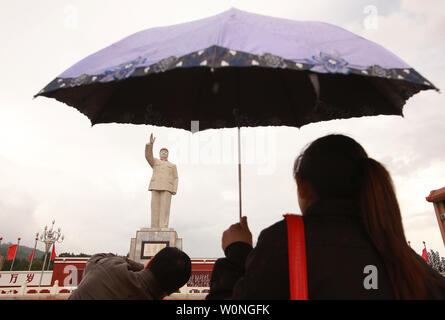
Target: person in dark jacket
[(355, 244), (109, 277)]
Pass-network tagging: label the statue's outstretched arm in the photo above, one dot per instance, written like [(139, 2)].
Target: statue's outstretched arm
[(149, 151)]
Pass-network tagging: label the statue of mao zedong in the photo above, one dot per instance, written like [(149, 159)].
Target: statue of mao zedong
[(163, 184)]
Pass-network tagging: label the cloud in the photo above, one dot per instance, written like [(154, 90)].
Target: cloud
[(415, 33), (423, 227), (18, 207)]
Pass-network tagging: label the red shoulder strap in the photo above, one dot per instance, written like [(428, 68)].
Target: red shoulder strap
[(297, 257)]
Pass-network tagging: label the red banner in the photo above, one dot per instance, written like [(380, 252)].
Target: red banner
[(425, 255), (11, 252), (53, 254), (32, 255)]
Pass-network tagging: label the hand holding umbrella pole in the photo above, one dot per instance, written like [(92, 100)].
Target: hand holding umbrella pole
[(237, 232)]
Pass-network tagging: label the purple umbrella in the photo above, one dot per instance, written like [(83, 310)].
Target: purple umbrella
[(238, 69)]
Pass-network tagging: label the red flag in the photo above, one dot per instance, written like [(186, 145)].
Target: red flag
[(32, 255), (11, 252), (425, 255), (53, 255)]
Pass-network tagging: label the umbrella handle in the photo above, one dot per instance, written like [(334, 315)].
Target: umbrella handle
[(239, 172)]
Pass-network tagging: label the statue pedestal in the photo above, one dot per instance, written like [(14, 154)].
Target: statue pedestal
[(149, 241)]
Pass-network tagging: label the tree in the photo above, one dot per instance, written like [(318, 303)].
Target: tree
[(70, 254), (23, 265), (436, 261)]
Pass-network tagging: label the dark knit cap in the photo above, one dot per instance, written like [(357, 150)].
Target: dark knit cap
[(172, 268)]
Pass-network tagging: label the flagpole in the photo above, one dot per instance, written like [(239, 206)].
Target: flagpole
[(49, 262), (50, 259), (15, 254), (1, 265), (43, 268), (49, 237), (34, 252)]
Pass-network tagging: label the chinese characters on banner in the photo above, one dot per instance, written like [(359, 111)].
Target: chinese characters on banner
[(17, 278), (199, 279)]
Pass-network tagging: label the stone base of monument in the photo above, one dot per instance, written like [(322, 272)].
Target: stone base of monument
[(149, 241)]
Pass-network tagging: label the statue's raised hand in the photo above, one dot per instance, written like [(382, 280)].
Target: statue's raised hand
[(152, 139)]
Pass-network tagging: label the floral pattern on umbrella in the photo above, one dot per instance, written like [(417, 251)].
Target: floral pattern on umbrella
[(325, 62), (219, 57)]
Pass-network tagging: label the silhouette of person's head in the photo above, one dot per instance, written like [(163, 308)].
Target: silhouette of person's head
[(330, 167), (171, 268)]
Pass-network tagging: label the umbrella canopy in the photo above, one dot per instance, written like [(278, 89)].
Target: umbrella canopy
[(237, 69)]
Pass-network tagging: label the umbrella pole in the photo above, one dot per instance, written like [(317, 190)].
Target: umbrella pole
[(239, 171)]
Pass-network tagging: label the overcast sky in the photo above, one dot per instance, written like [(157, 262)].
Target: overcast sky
[(93, 180)]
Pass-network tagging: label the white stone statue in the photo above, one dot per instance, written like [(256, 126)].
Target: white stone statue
[(163, 184)]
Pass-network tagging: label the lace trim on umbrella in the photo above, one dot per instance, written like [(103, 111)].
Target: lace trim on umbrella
[(218, 57)]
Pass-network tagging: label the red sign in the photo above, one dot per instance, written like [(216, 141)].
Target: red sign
[(69, 271)]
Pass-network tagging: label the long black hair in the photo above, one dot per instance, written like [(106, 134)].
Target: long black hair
[(338, 167)]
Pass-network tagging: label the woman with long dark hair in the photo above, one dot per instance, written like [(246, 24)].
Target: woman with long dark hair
[(352, 221)]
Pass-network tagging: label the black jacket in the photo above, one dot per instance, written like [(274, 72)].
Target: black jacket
[(337, 251), (109, 277)]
